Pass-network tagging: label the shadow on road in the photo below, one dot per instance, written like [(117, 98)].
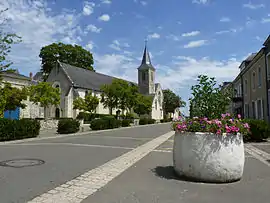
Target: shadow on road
[(168, 172)]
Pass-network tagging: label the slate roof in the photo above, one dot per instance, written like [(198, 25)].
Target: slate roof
[(146, 61), (250, 57), (85, 78), (14, 75)]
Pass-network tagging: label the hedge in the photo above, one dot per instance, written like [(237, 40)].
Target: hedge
[(107, 122), (145, 121), (67, 126), (126, 123), (259, 130), (18, 129)]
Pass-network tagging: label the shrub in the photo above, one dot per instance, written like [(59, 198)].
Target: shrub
[(143, 121), (125, 123), (259, 130), (151, 121), (18, 129), (67, 126), (87, 117), (107, 122), (162, 120)]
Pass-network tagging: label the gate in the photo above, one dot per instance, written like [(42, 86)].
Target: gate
[(14, 115)]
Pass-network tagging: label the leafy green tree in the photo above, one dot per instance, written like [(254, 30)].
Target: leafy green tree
[(143, 104), (44, 94), (71, 54), (88, 104), (12, 97), (6, 40), (109, 97), (208, 99), (171, 101)]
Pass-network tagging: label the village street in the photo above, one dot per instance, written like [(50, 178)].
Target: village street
[(129, 165)]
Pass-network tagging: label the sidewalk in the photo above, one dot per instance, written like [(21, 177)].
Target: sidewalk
[(152, 180)]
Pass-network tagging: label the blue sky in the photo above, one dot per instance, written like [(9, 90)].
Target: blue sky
[(185, 37)]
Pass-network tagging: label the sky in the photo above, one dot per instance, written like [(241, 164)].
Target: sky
[(186, 38)]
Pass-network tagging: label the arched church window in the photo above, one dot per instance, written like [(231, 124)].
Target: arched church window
[(152, 76), (143, 76), (86, 93), (156, 104), (159, 99)]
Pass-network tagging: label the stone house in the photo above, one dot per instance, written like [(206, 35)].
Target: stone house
[(76, 82), (19, 81), (251, 86)]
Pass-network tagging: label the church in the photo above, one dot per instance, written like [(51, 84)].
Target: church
[(76, 82)]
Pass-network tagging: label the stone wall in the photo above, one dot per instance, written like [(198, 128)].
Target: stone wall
[(48, 124)]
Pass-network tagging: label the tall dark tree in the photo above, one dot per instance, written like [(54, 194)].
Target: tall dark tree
[(171, 101), (71, 54), (143, 104)]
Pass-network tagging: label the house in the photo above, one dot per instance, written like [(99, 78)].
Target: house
[(76, 82), (20, 81), (251, 86)]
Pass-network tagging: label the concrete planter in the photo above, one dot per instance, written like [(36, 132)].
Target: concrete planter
[(208, 157)]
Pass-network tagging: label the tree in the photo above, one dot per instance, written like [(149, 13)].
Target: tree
[(89, 103), (109, 97), (44, 94), (171, 101), (71, 54), (209, 100), (6, 40), (12, 98), (143, 104)]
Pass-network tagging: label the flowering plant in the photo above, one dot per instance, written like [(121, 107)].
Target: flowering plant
[(227, 124)]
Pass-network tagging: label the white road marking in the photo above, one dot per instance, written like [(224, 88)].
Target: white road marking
[(258, 154), (76, 190)]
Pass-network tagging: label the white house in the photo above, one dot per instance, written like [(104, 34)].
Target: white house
[(19, 81), (76, 82)]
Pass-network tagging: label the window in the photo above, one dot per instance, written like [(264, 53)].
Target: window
[(260, 109), (259, 77), (152, 76), (246, 111), (156, 104), (143, 76), (253, 80), (86, 93), (253, 110), (245, 87)]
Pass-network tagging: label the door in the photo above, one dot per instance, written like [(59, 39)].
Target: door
[(14, 115)]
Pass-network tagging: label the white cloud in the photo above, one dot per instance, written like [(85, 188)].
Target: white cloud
[(106, 1), (88, 8), (194, 44), (104, 17), (191, 34), (225, 19), (90, 45), (266, 19), (116, 45), (200, 1), (232, 30), (37, 28), (144, 3), (253, 6), (154, 36), (173, 37), (93, 28)]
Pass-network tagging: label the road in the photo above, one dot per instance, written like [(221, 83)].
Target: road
[(132, 165)]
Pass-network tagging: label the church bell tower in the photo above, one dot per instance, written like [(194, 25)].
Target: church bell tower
[(146, 74)]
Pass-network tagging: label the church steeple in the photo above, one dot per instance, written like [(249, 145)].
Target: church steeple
[(146, 56)]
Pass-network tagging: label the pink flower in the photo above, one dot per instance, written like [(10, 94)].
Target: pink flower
[(218, 132), (235, 129), (209, 122), (246, 125), (228, 129), (239, 116), (205, 119), (231, 120), (223, 115), (227, 114)]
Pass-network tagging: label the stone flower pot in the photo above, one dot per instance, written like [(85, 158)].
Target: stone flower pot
[(207, 157)]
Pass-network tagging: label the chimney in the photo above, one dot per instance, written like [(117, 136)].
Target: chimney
[(31, 75)]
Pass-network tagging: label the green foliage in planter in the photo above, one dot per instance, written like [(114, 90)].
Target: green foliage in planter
[(18, 129), (125, 123), (67, 126), (259, 130)]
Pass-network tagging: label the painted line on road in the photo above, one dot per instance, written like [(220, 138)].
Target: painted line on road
[(75, 134), (78, 189), (258, 154), (68, 144)]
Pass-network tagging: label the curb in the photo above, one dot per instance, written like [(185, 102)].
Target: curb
[(74, 134)]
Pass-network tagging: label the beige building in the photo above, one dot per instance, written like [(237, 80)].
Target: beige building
[(251, 86)]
